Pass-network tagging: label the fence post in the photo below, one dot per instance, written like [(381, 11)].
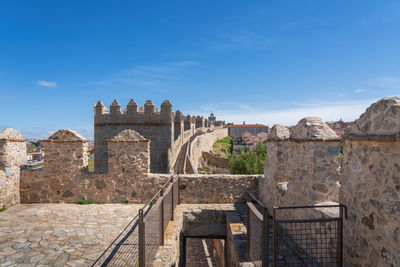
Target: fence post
[(340, 238), (248, 231), (161, 229), (172, 198), (265, 238), (142, 241), (275, 240), (177, 189)]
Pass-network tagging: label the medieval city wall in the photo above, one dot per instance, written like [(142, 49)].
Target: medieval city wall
[(157, 126), (371, 186), (166, 130), (65, 177), (205, 142), (216, 161), (302, 168), (12, 156)]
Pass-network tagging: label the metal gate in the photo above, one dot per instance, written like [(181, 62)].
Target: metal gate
[(308, 241)]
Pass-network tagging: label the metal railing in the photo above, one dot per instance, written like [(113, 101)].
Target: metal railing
[(257, 231), (308, 241), (139, 241), (315, 240)]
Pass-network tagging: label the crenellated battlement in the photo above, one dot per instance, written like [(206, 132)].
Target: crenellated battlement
[(162, 127), (148, 113)]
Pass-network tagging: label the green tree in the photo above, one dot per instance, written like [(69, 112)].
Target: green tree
[(249, 162)]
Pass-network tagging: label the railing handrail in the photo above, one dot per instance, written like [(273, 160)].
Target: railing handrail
[(158, 192), (255, 199), (340, 205), (141, 219)]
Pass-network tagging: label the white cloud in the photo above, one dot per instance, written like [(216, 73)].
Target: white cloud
[(359, 91), (46, 83), (153, 75), (240, 40), (348, 111)]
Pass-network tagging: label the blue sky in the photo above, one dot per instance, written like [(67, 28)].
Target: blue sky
[(259, 61)]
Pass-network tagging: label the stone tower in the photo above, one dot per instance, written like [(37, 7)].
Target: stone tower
[(156, 126)]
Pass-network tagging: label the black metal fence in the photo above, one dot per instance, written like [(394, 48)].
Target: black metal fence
[(257, 231), (313, 241), (308, 241), (138, 243)]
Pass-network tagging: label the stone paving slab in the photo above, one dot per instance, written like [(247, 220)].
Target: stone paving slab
[(60, 234)]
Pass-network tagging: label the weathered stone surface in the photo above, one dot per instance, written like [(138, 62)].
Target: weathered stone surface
[(370, 193), (381, 118), (217, 188), (278, 132), (205, 142), (370, 187), (66, 135), (313, 128), (65, 153), (10, 133), (302, 170), (12, 156), (128, 135), (58, 234), (129, 154), (65, 177)]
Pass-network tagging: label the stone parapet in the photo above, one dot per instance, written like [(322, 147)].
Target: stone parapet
[(217, 188), (371, 186), (301, 168), (12, 156), (205, 142), (42, 187)]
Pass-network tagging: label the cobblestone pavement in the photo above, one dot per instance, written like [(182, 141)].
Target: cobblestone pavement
[(200, 253), (60, 234)]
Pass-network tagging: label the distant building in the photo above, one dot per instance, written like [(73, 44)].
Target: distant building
[(212, 119), (237, 130), (339, 126), (251, 140), (35, 156)]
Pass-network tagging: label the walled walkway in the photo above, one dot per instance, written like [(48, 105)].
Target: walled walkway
[(60, 234)]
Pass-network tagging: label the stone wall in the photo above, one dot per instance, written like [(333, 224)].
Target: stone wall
[(205, 142), (216, 161), (303, 168), (166, 130), (157, 126), (216, 188), (12, 156), (65, 177), (41, 187), (274, 185), (371, 187), (128, 154)]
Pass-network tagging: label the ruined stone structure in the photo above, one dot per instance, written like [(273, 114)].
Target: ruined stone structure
[(166, 130), (371, 186), (12, 156)]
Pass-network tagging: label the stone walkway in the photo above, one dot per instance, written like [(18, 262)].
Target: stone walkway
[(200, 253), (60, 234)]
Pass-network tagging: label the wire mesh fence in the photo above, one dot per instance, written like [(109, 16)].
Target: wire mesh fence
[(308, 242), (295, 236), (257, 231), (139, 241)]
